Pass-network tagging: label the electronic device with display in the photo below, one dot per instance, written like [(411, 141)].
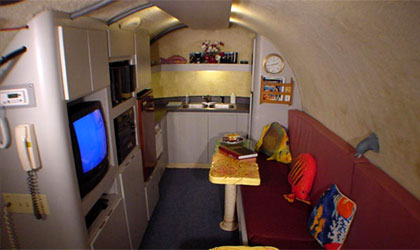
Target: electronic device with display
[(90, 144)]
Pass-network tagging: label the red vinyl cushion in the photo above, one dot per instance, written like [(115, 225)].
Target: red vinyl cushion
[(334, 157), (281, 224), (387, 217)]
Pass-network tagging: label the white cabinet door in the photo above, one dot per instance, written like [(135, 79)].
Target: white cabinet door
[(152, 193), (220, 124), (114, 234), (121, 43), (144, 70), (74, 51), (134, 197), (187, 137), (98, 48)]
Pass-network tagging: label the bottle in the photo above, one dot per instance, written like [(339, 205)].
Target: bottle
[(187, 99), (233, 98)]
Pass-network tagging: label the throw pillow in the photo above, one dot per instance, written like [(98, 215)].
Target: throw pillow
[(331, 218), (301, 177), (274, 143)]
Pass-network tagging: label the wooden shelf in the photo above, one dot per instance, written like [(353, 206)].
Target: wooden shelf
[(276, 92), (202, 66)]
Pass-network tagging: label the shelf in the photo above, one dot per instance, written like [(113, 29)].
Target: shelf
[(122, 107), (202, 67), (276, 92), (92, 197), (100, 221)]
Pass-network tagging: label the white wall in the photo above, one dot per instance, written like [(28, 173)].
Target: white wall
[(265, 113), (40, 65)]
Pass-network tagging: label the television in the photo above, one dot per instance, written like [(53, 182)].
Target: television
[(89, 143)]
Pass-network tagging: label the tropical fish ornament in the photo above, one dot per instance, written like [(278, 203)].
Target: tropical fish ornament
[(274, 143), (301, 177)]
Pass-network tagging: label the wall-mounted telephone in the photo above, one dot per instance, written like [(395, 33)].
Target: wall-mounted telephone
[(27, 147)]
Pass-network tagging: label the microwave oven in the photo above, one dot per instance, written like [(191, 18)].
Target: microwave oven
[(123, 76)]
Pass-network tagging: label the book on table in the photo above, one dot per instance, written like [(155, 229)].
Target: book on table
[(237, 151), (250, 160)]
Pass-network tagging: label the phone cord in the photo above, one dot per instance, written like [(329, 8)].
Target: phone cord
[(10, 227), (34, 190)]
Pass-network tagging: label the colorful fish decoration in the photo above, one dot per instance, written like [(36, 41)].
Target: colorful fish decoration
[(301, 177)]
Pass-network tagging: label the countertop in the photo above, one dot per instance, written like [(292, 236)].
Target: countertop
[(161, 110)]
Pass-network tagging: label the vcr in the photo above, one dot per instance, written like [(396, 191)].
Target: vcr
[(125, 134)]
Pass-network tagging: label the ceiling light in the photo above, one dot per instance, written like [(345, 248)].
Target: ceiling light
[(131, 23)]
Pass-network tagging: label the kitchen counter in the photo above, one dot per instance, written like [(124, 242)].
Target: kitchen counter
[(161, 108)]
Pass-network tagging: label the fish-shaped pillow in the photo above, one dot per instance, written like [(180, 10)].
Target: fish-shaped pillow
[(301, 177)]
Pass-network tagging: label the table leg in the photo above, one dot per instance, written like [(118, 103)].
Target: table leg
[(229, 223)]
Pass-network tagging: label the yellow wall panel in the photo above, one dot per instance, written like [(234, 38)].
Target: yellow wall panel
[(196, 83)]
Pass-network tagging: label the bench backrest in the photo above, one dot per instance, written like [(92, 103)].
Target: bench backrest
[(387, 215), (334, 156)]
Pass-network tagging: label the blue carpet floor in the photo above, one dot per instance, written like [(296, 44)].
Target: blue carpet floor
[(188, 213)]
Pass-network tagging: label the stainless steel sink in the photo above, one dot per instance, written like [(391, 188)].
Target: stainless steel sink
[(193, 106), (224, 106), (205, 105)]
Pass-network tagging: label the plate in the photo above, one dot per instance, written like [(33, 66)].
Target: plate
[(238, 140)]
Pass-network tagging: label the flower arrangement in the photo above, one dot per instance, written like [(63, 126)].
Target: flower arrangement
[(212, 51)]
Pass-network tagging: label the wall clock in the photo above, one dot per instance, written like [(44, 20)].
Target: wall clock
[(273, 64)]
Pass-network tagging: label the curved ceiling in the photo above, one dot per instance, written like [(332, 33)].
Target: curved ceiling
[(356, 62)]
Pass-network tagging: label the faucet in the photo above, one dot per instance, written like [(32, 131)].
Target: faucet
[(206, 98)]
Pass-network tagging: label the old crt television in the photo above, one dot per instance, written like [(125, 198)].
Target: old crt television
[(90, 145)]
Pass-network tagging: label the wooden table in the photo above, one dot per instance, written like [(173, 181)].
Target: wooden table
[(231, 172)]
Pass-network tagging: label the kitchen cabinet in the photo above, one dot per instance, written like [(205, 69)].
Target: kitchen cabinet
[(192, 135), (161, 146), (74, 52), (98, 51), (121, 43), (132, 186), (144, 75), (113, 233), (84, 61), (187, 137), (151, 189)]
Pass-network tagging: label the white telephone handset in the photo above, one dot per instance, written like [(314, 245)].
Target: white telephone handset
[(27, 147)]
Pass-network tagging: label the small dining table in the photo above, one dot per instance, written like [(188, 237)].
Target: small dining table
[(231, 172)]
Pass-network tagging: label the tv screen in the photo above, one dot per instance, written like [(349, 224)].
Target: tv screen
[(89, 142), (91, 137)]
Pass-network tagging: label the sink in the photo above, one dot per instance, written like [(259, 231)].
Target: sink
[(193, 106), (223, 106), (208, 105)]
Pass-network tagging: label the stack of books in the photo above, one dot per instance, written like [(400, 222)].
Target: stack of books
[(239, 152)]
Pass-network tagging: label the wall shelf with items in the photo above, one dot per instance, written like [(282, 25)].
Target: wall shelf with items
[(202, 66), (276, 90)]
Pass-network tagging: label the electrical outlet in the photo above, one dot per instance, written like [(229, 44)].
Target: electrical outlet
[(22, 203)]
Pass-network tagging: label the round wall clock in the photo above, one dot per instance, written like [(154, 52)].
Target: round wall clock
[(273, 64)]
